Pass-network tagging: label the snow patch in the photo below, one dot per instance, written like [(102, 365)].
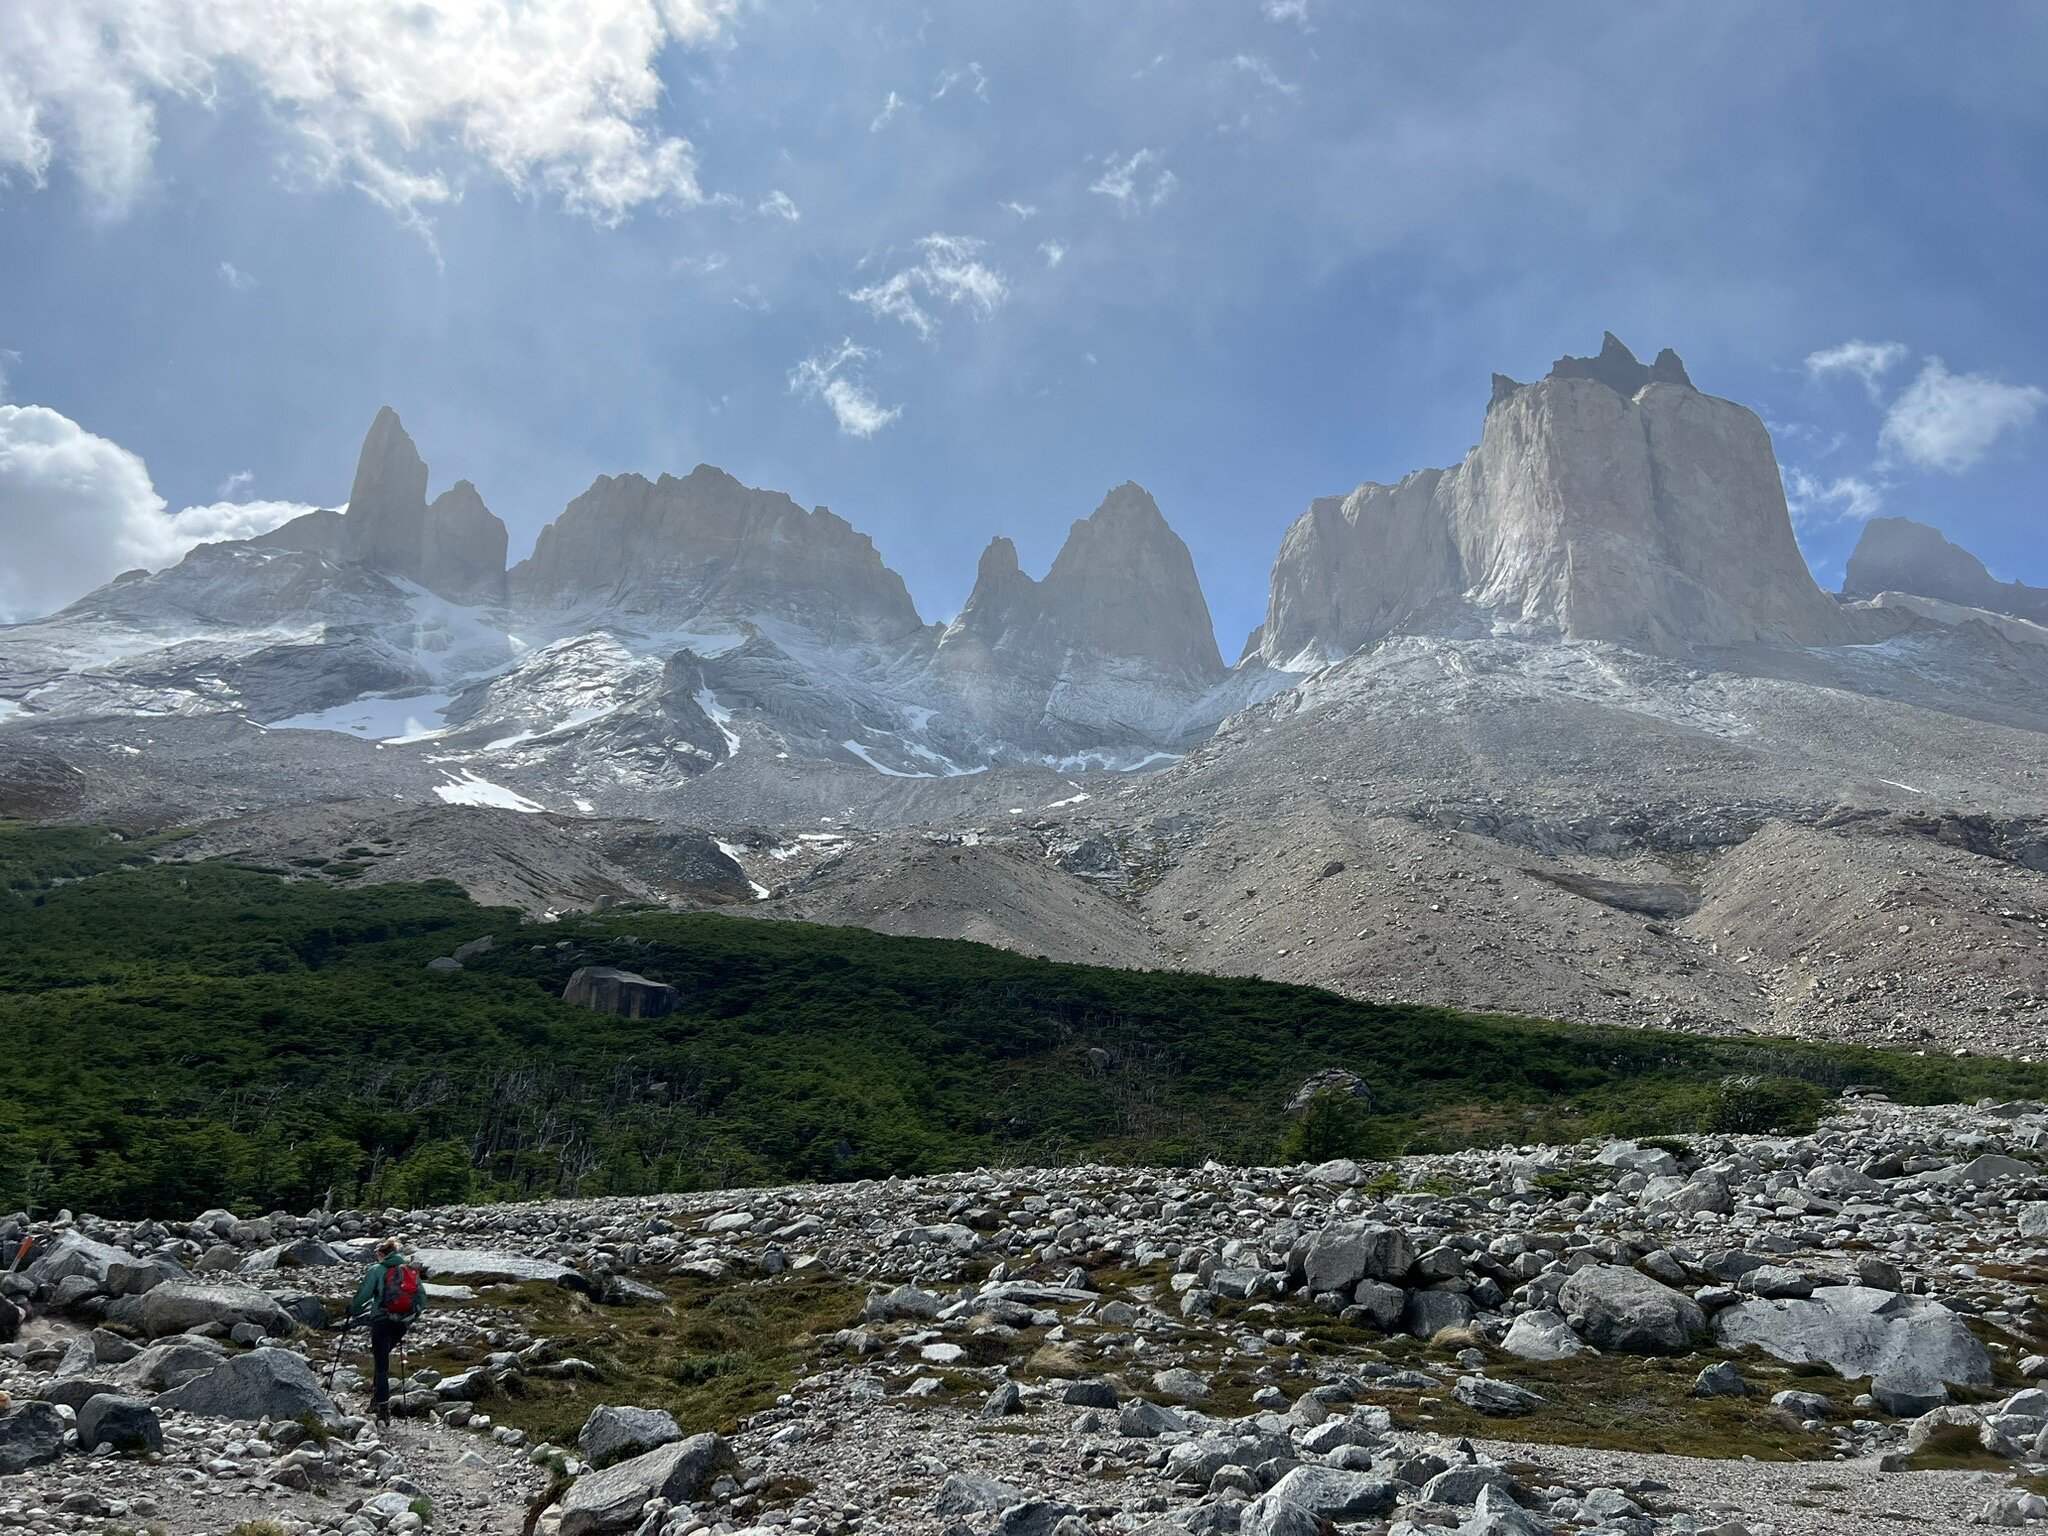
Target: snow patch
[(869, 758), (392, 721), (721, 717), (467, 789)]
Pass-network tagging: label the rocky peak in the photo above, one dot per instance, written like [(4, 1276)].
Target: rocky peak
[(705, 547), (1896, 554), (456, 547), (1123, 585), (1594, 505), (1115, 641)]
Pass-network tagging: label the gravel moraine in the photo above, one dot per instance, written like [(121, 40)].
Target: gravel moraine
[(1493, 1343)]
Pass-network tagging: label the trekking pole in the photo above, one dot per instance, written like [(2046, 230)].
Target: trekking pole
[(20, 1254)]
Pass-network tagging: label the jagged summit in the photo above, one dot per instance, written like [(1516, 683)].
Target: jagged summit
[(1607, 500), (1116, 639), (1896, 554), (707, 548), (1614, 365)]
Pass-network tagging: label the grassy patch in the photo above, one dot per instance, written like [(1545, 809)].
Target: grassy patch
[(715, 1354), (1955, 1448)]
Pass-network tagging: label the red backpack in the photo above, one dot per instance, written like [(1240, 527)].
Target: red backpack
[(401, 1291)]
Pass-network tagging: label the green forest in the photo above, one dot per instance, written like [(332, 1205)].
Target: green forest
[(180, 1035)]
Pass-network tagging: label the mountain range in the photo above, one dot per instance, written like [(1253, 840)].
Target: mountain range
[(1565, 728)]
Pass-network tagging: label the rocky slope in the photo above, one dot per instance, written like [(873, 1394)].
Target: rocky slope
[(1507, 1343)]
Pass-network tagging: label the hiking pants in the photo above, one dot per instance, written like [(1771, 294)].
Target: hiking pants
[(385, 1332)]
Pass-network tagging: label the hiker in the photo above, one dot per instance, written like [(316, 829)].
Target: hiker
[(390, 1299)]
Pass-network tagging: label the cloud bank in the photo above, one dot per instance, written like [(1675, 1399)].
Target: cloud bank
[(77, 509)]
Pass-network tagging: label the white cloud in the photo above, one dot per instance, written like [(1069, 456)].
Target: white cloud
[(1869, 361), (973, 77), (1262, 71), (1949, 421), (236, 278), (781, 206), (76, 510), (1022, 210), (7, 360), (835, 378), (1054, 252), (1844, 499), (236, 483), (950, 271), (400, 98), (888, 113), (1137, 183), (1295, 11)]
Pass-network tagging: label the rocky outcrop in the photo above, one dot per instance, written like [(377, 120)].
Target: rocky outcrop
[(1896, 554), (1115, 641), (708, 551), (606, 989), (1607, 501), (455, 547)]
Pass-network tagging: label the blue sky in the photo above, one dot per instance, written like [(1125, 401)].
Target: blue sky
[(955, 270)]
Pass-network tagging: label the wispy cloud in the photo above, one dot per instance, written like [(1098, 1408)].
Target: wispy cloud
[(971, 77), (1950, 421), (1136, 183), (949, 271), (235, 484), (1295, 11), (1869, 361), (780, 205), (1843, 499), (890, 109), (1053, 252), (236, 278), (1022, 210), (1262, 71), (834, 377)]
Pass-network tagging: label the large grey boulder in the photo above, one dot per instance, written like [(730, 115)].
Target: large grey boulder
[(29, 1436), (263, 1384), (481, 1266), (1907, 1344), (1429, 1313), (1272, 1515), (72, 1255), (969, 1493), (607, 989), (10, 1321), (172, 1363), (180, 1306), (120, 1422), (1495, 1399), (1542, 1335), (1337, 1494), (612, 1499), (1340, 1256), (612, 1434), (1626, 1312)]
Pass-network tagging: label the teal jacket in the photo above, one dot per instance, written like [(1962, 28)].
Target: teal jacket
[(369, 1299)]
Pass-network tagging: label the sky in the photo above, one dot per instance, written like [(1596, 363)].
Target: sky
[(956, 270)]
